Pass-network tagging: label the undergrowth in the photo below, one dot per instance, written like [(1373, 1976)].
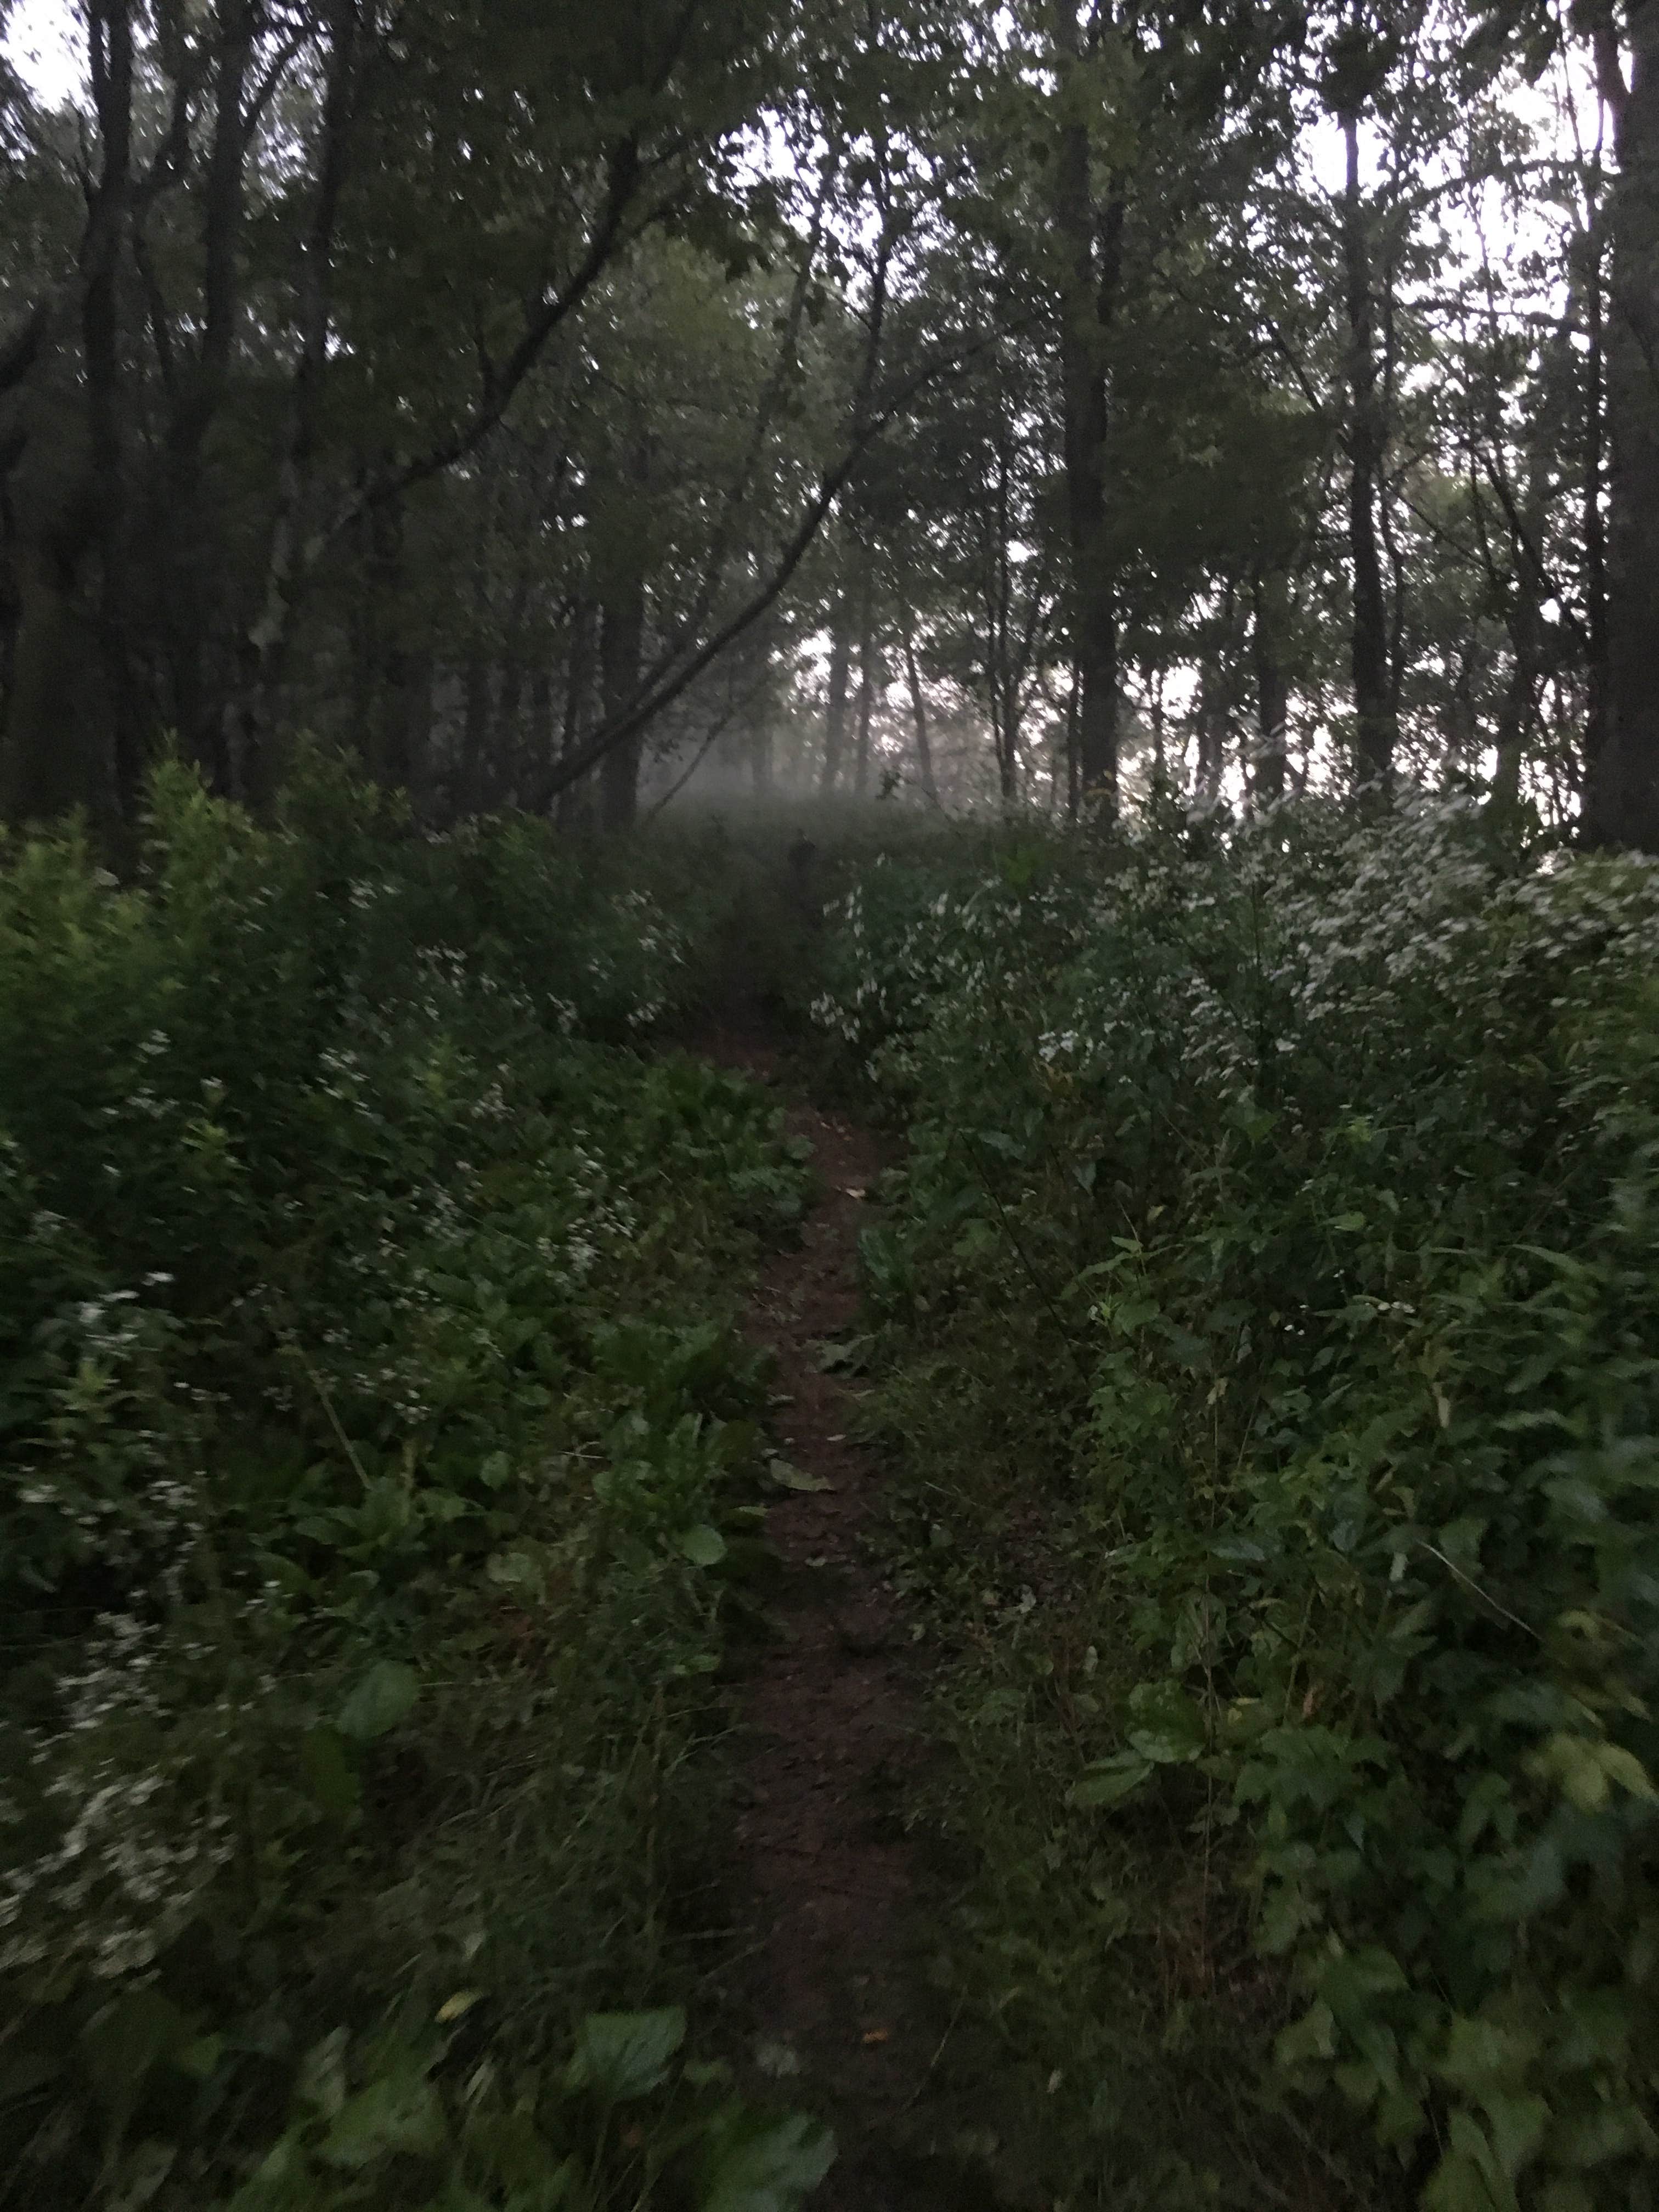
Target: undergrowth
[(1268, 1326), (379, 1479)]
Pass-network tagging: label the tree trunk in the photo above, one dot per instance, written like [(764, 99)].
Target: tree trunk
[(622, 636), (54, 704), (262, 653), (1091, 240), (834, 713), (541, 722), (1595, 524), (572, 801), (1622, 802), (869, 670), (1514, 716), (919, 718), (1073, 764), (1375, 731), (109, 48), (1272, 689), (191, 560)]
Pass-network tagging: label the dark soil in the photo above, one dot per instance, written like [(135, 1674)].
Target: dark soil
[(840, 2016)]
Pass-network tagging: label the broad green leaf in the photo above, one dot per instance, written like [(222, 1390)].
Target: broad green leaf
[(126, 2039), (1312, 2037), (1517, 2124), (1109, 1781), (400, 2113), (624, 2055), (321, 2084), (328, 1773), (703, 1546), (385, 1696), (759, 2165), (1168, 1728)]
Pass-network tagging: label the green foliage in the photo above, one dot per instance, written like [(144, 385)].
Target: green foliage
[(1305, 1186), (393, 2120), (379, 1469)]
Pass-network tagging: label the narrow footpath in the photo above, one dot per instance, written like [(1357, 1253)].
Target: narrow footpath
[(841, 2017)]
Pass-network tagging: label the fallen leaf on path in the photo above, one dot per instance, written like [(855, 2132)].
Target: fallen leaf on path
[(854, 1190), (796, 1478), (776, 2059), (877, 2034), (848, 1356)]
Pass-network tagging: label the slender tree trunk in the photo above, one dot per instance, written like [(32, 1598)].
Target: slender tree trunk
[(572, 801), (1272, 690), (834, 713), (621, 637), (477, 689), (1514, 716), (1091, 240), (1594, 524), (541, 722), (918, 718), (1212, 738), (262, 653), (190, 563), (1622, 803), (109, 45), (621, 631), (394, 671), (1073, 763), (869, 674), (507, 739), (1375, 727)]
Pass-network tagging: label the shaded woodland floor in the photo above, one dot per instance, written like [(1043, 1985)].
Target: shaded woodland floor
[(831, 1884)]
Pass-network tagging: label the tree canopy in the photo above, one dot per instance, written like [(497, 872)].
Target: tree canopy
[(1047, 405)]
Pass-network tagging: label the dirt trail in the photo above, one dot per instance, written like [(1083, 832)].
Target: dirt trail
[(829, 1724)]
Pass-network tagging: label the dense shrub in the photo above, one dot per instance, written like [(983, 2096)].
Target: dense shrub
[(376, 1455), (1312, 1171)]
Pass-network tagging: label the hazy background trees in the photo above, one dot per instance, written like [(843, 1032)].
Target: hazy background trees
[(559, 407)]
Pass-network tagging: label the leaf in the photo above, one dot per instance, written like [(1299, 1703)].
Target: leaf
[(25, 2072), (453, 2007), (1312, 2037), (776, 2059), (400, 2113), (1109, 1781), (850, 1357), (624, 2055), (789, 1477), (385, 1696), (125, 2039), (320, 2086), (200, 2059), (329, 1772), (703, 1546), (1169, 1727), (144, 2170), (1517, 2124), (761, 2165), (270, 2182)]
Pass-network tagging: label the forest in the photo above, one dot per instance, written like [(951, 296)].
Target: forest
[(829, 1105)]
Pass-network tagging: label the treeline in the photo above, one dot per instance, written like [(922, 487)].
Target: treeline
[(1019, 406)]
